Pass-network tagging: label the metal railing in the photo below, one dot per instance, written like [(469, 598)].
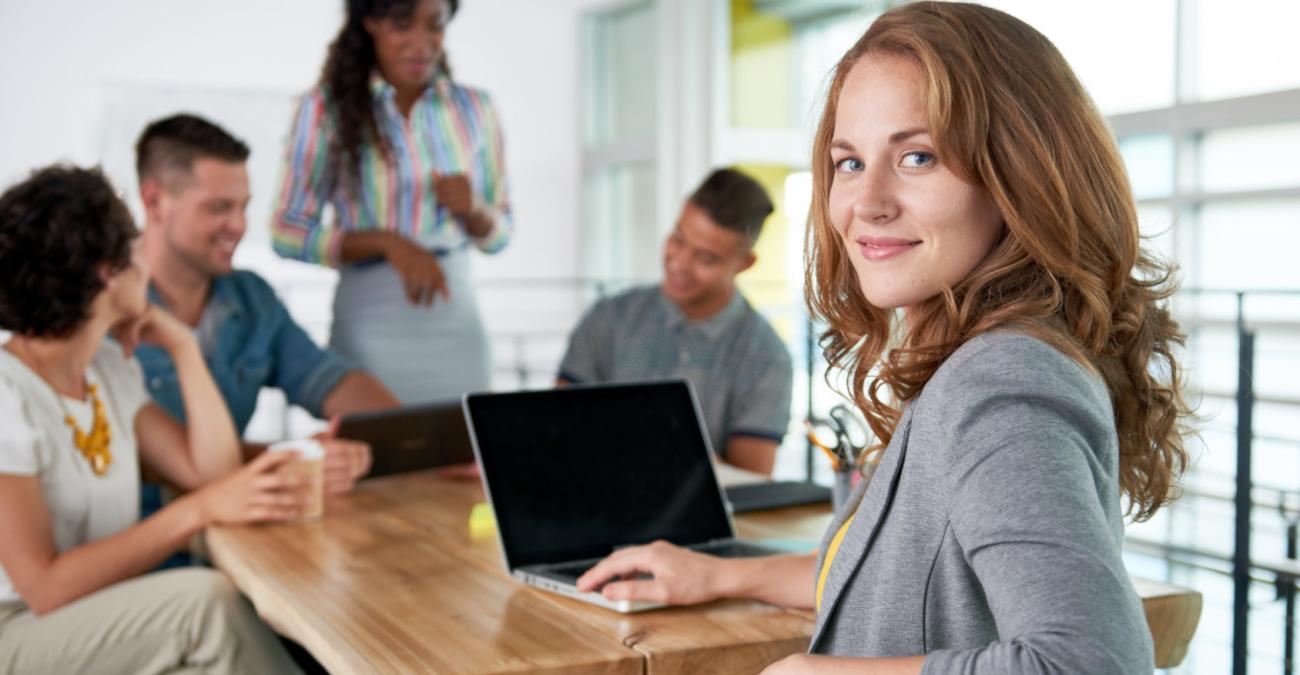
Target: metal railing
[(1239, 564)]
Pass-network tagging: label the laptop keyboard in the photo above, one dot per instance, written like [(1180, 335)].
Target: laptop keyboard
[(722, 550), (573, 570)]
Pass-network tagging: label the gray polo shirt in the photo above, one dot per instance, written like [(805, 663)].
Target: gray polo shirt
[(740, 369)]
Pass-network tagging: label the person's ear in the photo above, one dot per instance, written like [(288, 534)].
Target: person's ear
[(106, 275), (749, 260), (151, 194)]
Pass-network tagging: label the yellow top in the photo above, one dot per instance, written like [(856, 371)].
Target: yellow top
[(831, 550)]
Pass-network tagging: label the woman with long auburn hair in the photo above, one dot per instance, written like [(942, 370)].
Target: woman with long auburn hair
[(973, 248)]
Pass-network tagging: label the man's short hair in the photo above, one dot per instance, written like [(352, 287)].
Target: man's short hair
[(59, 230), (734, 201), (170, 146)]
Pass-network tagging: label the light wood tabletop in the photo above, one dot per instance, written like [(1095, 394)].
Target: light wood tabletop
[(393, 581), (390, 581)]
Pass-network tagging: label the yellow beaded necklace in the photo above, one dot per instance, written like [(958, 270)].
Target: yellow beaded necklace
[(95, 445)]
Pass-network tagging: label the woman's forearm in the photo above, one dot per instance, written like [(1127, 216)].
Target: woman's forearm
[(784, 580), (131, 552), (833, 665), (358, 246), (213, 443)]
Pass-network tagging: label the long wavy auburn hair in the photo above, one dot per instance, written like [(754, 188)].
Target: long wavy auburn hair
[(1007, 113)]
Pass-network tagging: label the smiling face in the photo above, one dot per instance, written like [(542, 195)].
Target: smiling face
[(701, 261), (203, 215), (910, 225), (408, 47)]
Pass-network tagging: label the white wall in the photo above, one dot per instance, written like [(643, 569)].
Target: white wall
[(62, 56), (77, 71), (82, 77), (525, 52)]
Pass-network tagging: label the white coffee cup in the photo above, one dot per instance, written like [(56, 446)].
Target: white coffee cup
[(311, 465)]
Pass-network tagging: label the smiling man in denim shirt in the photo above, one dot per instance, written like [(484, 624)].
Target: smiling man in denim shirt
[(195, 190)]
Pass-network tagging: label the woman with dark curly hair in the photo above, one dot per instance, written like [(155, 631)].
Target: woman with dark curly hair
[(412, 164), (77, 420), (973, 249)]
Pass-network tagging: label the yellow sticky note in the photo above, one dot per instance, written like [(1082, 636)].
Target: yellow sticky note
[(482, 523)]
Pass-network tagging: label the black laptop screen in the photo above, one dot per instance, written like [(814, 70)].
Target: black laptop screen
[(576, 471)]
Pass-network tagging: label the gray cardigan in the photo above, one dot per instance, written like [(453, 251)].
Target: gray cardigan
[(989, 537)]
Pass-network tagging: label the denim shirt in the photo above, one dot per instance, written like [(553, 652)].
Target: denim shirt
[(249, 341)]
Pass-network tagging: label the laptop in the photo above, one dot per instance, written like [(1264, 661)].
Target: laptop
[(411, 438), (576, 472)]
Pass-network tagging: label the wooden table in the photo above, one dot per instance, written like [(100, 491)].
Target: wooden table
[(392, 581)]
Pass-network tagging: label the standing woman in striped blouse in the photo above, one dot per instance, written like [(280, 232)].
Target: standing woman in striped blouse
[(411, 163)]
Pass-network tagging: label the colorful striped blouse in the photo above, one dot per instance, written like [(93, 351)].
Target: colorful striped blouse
[(452, 129)]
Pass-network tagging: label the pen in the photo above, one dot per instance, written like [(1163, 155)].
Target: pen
[(812, 438)]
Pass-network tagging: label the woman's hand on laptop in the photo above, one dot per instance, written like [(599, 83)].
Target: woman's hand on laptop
[(678, 576)]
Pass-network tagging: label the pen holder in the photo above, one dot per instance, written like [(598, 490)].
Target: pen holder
[(841, 487), (846, 481)]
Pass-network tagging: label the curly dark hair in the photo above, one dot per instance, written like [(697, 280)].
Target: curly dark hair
[(346, 76), (58, 230)]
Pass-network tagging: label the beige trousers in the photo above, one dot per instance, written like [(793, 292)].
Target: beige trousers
[(179, 621)]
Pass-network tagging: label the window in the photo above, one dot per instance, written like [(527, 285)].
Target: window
[(619, 130), (1243, 47)]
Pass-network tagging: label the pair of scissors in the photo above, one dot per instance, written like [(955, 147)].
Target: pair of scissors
[(842, 436)]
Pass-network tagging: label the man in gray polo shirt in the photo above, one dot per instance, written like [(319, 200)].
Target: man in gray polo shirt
[(695, 325)]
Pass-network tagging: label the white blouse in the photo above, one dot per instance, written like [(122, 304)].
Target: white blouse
[(36, 441)]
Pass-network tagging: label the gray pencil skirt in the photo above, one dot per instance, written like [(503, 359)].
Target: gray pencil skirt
[(424, 354)]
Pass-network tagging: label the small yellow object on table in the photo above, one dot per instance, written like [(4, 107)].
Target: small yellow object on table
[(482, 522)]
